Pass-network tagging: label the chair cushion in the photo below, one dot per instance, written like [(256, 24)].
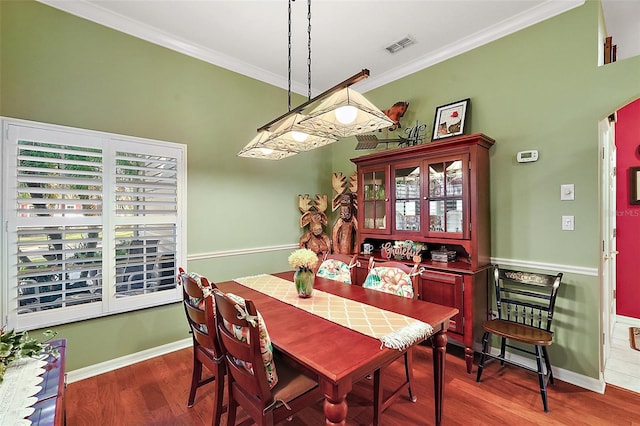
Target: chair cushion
[(335, 270), (266, 349), (389, 280)]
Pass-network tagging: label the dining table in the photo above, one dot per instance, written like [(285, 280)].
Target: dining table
[(336, 353)]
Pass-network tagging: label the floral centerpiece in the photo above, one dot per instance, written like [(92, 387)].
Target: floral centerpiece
[(304, 262), (15, 345)]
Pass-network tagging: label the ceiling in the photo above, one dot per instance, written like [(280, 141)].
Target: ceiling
[(250, 37)]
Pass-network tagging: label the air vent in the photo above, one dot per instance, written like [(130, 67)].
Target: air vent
[(400, 44)]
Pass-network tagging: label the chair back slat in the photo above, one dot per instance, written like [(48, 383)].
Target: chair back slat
[(526, 297)]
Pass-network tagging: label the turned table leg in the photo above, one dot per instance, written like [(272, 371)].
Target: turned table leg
[(439, 345)]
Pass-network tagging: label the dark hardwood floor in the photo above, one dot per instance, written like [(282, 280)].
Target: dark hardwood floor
[(154, 392)]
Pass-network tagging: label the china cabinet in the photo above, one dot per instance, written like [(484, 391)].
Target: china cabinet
[(433, 200)]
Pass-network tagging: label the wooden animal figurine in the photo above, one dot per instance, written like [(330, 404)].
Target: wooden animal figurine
[(313, 215), (346, 226), (395, 113)]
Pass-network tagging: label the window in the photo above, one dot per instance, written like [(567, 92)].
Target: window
[(94, 223)]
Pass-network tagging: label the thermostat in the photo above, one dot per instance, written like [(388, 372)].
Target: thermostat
[(528, 156)]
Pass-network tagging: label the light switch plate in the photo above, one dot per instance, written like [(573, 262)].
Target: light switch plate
[(567, 192), (567, 223)]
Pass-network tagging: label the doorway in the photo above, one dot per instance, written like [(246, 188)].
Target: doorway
[(620, 226)]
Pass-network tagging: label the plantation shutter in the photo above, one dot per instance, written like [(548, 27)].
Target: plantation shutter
[(93, 223)]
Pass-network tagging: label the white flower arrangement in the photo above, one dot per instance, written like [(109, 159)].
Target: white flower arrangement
[(303, 258)]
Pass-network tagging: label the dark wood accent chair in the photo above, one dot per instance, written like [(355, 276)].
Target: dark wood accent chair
[(329, 264), (248, 386), (525, 302), (198, 306), (380, 403)]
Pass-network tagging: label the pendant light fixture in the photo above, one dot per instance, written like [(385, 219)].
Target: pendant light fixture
[(256, 149), (346, 113), (337, 112)]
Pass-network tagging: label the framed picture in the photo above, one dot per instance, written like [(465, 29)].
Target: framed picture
[(634, 187), (450, 119)]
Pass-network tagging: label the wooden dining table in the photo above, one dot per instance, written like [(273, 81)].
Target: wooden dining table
[(337, 354)]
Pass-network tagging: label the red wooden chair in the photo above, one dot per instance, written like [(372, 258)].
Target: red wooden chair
[(263, 382), (398, 279), (197, 299)]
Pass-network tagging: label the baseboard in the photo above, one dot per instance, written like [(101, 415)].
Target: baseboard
[(585, 382), (114, 364), (631, 322)]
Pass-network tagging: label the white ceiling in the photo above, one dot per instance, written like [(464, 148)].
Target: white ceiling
[(250, 37)]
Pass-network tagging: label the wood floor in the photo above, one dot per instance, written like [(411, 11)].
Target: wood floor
[(154, 392)]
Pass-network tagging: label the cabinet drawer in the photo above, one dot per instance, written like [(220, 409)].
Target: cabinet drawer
[(444, 289)]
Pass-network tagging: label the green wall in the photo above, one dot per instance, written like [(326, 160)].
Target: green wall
[(61, 69), (539, 89)]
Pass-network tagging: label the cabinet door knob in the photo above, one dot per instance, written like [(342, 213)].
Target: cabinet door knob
[(386, 199)]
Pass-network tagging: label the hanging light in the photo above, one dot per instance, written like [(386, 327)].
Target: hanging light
[(345, 113), (337, 112), (256, 149), (290, 136)]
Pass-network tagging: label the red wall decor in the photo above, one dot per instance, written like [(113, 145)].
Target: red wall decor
[(627, 214)]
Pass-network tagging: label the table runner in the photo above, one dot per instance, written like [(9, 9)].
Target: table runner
[(394, 330), (21, 382)]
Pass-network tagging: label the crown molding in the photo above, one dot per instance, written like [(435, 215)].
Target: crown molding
[(99, 15)]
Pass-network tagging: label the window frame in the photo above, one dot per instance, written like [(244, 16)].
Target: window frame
[(110, 145)]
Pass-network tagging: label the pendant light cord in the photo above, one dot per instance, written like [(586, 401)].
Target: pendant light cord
[(289, 62), (309, 47), (308, 58)]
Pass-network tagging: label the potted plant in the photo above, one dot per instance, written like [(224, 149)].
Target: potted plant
[(15, 345)]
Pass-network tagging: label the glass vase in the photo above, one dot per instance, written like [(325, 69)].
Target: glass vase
[(304, 279)]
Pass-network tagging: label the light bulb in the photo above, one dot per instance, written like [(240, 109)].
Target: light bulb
[(346, 114), (299, 136), (266, 151)]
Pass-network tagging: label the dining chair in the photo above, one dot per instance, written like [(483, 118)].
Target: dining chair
[(398, 279), (525, 302), (267, 386), (338, 267), (197, 299)]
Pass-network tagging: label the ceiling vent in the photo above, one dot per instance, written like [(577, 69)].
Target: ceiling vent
[(400, 44)]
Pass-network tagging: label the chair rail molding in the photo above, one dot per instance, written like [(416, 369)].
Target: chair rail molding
[(569, 269), (228, 253)]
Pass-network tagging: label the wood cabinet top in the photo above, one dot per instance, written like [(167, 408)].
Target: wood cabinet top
[(427, 147)]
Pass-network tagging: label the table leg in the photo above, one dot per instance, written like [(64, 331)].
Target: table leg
[(439, 345), (468, 358), (335, 402)]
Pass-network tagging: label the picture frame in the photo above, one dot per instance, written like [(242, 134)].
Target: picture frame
[(634, 185), (450, 119)]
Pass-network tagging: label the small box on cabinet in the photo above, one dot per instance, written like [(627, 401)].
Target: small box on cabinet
[(443, 255)]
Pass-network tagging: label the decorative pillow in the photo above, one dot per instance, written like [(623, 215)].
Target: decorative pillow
[(266, 349), (335, 270), (389, 280)]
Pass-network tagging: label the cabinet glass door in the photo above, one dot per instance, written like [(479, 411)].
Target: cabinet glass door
[(407, 208), (375, 195), (446, 197)]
